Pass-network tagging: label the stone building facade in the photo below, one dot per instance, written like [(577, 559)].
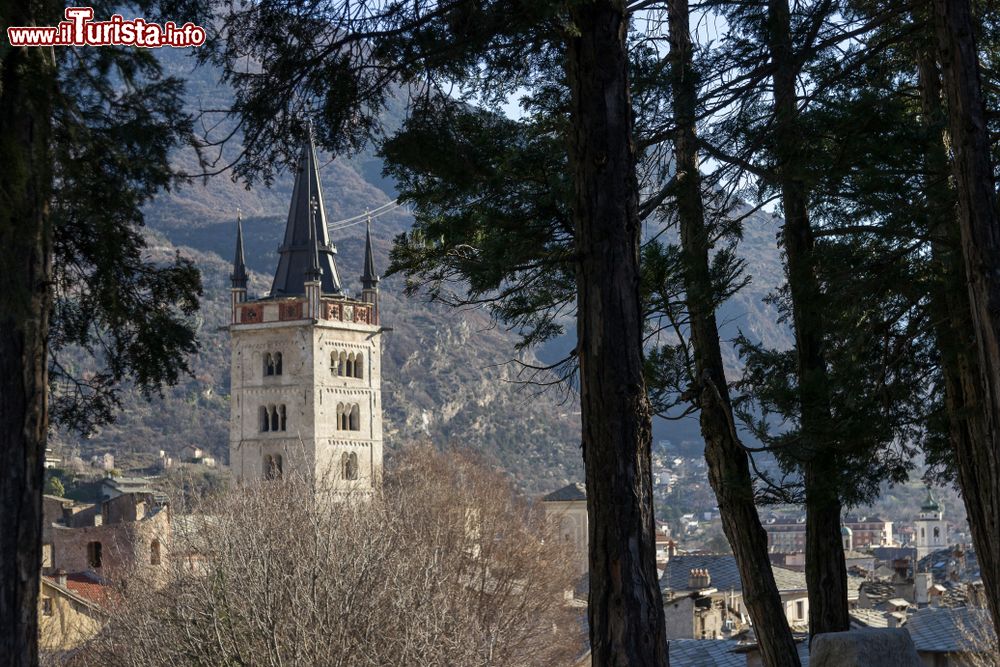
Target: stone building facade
[(306, 359), (567, 507), (115, 536)]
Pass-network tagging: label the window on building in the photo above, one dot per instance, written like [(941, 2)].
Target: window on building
[(275, 426), (800, 609), (358, 366), (341, 363), (268, 364), (355, 418), (154, 552), (47, 606), (335, 363), (94, 554), (277, 363), (349, 466), (283, 416), (937, 533), (922, 533), (265, 420), (273, 467)]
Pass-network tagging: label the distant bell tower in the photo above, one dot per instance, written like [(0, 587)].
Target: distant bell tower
[(930, 529), (306, 359)]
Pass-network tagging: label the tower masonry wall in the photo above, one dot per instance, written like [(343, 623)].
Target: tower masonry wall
[(326, 413)]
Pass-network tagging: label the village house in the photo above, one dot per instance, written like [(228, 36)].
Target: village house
[(70, 610), (719, 572)]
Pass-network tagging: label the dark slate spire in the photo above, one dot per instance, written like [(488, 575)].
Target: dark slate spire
[(369, 279), (314, 272), (239, 275), (302, 230)]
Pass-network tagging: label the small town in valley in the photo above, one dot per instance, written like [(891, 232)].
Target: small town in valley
[(500, 333), (306, 403)]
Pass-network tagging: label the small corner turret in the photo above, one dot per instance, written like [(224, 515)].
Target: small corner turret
[(369, 279)]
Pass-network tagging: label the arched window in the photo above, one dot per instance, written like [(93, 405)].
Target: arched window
[(268, 364), (358, 366), (922, 534), (274, 419), (340, 416), (345, 461), (154, 552), (284, 418), (349, 372), (277, 363), (334, 363), (355, 418), (267, 463), (937, 533), (265, 420), (342, 363)]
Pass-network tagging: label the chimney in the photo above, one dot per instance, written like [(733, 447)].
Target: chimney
[(61, 577), (671, 548), (699, 578)]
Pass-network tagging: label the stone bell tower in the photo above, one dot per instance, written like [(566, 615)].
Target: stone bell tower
[(306, 359)]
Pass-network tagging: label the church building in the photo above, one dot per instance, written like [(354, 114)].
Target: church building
[(306, 358)]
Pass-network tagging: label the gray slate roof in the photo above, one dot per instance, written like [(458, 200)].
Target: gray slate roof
[(948, 630), (723, 572), (705, 653), (574, 491), (716, 653)]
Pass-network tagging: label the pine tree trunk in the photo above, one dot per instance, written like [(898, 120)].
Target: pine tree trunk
[(978, 454), (25, 267), (626, 609), (728, 468), (826, 570)]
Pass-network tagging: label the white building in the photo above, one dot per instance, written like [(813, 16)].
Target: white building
[(930, 530)]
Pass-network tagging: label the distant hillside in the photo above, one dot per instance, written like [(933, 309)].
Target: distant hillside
[(446, 376)]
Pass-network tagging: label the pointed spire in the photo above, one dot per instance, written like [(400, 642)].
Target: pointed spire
[(238, 277), (314, 272), (306, 235), (369, 279)]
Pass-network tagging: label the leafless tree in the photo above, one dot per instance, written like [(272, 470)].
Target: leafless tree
[(444, 565)]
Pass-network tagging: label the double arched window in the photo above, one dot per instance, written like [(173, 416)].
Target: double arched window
[(349, 466), (347, 364), (273, 418), (272, 466), (272, 363), (348, 417)]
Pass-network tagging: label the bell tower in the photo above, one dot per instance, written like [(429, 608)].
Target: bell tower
[(930, 528), (306, 394)]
